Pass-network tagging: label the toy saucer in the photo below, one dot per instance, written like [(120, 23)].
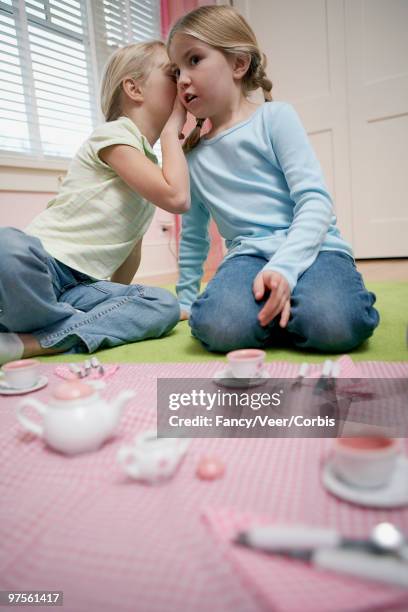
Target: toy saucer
[(392, 495), (225, 378), (5, 389)]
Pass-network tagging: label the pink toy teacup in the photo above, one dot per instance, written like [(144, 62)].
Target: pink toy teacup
[(21, 374), (246, 363), (365, 462)]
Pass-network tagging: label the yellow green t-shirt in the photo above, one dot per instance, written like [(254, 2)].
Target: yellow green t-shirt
[(95, 220)]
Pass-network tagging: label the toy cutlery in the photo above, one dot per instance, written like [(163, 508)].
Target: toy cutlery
[(326, 549), (385, 538)]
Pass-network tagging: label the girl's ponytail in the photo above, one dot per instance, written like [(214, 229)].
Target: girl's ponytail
[(194, 136), (134, 60)]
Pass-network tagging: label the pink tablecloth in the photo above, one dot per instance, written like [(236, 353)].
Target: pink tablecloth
[(81, 526)]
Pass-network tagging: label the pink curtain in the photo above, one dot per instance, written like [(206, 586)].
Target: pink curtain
[(171, 10)]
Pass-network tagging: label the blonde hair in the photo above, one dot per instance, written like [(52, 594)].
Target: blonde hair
[(225, 29), (135, 61)]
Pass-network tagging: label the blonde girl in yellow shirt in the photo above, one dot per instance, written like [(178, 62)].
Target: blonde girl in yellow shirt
[(65, 280)]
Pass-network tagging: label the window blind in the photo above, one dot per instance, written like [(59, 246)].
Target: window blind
[(51, 57)]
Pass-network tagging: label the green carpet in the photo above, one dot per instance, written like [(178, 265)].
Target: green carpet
[(387, 344)]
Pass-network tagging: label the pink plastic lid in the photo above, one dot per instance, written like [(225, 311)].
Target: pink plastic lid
[(210, 468), (72, 391)]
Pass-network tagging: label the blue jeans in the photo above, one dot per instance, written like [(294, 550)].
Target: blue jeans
[(66, 309), (331, 310)]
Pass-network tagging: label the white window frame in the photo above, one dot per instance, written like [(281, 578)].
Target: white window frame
[(9, 160)]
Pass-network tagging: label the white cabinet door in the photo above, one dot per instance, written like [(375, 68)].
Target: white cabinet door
[(377, 61), (343, 64), (304, 44)]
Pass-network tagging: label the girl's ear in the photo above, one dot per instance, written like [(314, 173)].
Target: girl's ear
[(241, 62), (132, 89)]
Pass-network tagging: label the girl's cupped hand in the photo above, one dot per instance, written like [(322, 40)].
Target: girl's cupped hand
[(177, 118), (278, 301)]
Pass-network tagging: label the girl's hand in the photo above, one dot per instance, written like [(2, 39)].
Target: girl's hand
[(278, 300), (177, 118), (184, 315)]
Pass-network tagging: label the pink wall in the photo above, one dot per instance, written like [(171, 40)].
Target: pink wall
[(19, 208)]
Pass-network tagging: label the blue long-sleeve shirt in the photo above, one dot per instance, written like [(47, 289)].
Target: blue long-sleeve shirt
[(261, 182)]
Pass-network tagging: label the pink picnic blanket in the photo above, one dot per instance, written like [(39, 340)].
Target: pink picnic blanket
[(80, 525), (288, 584)]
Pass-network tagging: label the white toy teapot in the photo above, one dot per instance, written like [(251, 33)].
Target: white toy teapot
[(76, 419)]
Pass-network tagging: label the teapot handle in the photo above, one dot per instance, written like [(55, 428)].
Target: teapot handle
[(25, 421)]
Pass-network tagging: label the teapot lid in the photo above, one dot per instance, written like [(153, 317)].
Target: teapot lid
[(73, 391)]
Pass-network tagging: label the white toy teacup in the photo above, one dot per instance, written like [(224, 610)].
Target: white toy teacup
[(21, 374), (152, 459), (76, 419), (365, 462), (246, 363)]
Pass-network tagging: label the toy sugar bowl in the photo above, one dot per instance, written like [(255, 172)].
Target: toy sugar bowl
[(76, 419), (151, 459)]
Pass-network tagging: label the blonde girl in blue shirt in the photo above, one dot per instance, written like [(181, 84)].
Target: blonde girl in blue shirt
[(65, 280), (288, 274)]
